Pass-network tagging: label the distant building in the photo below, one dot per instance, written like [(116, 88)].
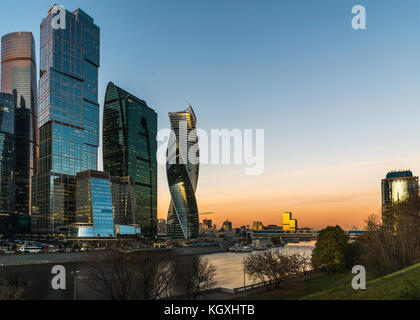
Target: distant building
[(257, 225), (398, 186), (207, 224), (161, 226), (289, 224), (7, 161), (272, 227), (227, 225)]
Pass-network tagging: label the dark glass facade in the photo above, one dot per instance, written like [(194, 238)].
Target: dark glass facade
[(124, 201), (182, 174), (68, 117), (7, 145), (129, 150), (18, 76)]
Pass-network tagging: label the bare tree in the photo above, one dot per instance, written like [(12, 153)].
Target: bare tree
[(194, 275), (120, 275), (12, 290), (275, 267)]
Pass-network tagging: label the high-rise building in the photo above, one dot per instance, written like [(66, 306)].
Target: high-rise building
[(227, 225), (129, 150), (397, 187), (182, 173), (289, 224), (68, 118), (257, 225), (18, 76), (207, 224), (7, 146)]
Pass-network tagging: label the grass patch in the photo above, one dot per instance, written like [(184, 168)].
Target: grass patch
[(401, 285), (318, 282)]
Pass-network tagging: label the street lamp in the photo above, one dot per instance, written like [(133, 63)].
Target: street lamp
[(75, 274), (243, 258)]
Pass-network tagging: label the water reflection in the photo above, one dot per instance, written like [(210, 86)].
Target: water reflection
[(229, 265)]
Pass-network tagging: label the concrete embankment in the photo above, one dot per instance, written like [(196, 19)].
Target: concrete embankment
[(44, 258), (189, 251), (7, 260)]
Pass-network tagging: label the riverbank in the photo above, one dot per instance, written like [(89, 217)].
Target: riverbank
[(401, 285), (25, 259)]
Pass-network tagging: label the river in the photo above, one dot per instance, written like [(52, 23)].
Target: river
[(229, 274)]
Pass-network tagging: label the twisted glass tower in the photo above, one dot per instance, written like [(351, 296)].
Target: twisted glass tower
[(18, 76), (182, 168)]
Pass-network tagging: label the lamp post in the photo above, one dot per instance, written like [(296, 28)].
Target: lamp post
[(75, 274), (243, 261)]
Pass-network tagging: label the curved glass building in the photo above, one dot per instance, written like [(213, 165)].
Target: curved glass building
[(182, 168), (129, 150), (18, 76)]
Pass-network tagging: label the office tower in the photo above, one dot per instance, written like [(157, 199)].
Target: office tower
[(129, 150), (182, 172), (18, 76), (397, 187), (94, 212), (68, 118), (7, 146), (227, 225), (289, 224), (257, 225), (207, 224)]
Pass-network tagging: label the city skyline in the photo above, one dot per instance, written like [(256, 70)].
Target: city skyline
[(325, 157)]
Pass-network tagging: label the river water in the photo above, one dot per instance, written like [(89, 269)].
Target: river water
[(229, 274), (229, 265)]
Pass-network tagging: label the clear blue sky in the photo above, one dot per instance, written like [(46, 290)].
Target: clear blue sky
[(325, 94)]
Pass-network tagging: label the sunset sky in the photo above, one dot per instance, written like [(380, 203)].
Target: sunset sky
[(339, 108)]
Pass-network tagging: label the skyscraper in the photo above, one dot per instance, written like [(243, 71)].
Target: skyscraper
[(398, 186), (68, 116), (18, 76), (182, 171), (289, 224), (129, 150), (7, 145)]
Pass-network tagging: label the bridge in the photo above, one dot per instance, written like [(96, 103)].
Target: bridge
[(299, 235)]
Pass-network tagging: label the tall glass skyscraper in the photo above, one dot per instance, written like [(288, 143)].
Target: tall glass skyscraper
[(18, 76), (68, 116), (182, 174), (397, 187), (7, 145), (129, 150)]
